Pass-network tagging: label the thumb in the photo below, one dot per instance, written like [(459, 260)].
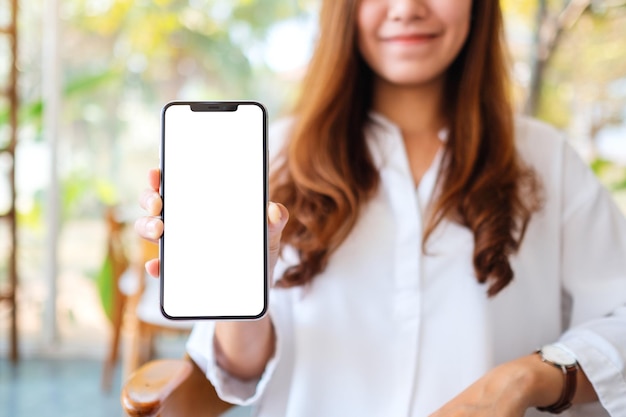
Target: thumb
[(277, 217)]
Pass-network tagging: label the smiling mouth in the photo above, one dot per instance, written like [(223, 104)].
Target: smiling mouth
[(408, 39)]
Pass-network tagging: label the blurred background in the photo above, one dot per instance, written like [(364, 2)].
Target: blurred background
[(82, 83)]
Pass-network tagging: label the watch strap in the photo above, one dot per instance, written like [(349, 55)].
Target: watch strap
[(569, 389)]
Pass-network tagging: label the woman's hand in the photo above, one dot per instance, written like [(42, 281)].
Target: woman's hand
[(508, 390), (151, 226), (242, 347)]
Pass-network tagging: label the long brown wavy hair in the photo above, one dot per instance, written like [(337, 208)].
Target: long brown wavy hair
[(327, 172)]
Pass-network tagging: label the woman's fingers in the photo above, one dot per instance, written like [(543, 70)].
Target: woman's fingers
[(152, 267), (151, 201), (154, 179), (150, 228), (277, 217)]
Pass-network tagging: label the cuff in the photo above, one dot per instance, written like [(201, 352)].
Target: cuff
[(604, 366), (200, 348)]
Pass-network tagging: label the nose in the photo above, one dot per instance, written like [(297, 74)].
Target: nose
[(407, 10)]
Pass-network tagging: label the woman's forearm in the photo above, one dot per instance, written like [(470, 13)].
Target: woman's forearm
[(512, 388), (545, 383), (243, 348)]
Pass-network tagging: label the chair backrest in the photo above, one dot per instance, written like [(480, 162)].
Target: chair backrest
[(149, 250), (147, 303), (115, 244)]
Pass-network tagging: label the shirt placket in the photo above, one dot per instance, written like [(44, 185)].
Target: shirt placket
[(406, 298), (408, 206)]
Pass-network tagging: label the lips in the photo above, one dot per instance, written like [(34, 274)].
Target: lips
[(410, 38)]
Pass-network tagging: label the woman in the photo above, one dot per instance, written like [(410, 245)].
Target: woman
[(434, 241)]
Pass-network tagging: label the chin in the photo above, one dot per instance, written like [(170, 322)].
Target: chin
[(413, 79), (411, 75)]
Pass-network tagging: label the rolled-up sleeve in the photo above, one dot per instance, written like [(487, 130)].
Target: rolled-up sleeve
[(600, 348), (200, 348), (594, 276)]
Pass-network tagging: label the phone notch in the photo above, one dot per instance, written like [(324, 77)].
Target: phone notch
[(213, 106)]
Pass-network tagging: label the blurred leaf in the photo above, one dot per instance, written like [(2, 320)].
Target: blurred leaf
[(33, 217), (600, 165), (104, 281), (620, 185), (73, 189), (612, 174), (90, 82), (32, 113), (106, 192), (83, 187)]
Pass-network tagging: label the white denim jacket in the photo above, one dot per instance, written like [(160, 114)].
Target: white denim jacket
[(388, 331)]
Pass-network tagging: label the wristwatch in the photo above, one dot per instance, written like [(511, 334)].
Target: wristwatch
[(559, 357)]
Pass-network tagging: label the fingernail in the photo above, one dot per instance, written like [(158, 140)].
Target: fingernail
[(151, 201), (151, 227), (275, 214)]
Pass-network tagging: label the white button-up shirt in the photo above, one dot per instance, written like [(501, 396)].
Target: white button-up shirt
[(391, 330)]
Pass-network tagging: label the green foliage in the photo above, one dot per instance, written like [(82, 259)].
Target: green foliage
[(105, 284), (31, 113), (599, 166), (620, 185), (588, 60), (32, 217), (127, 54), (554, 104), (177, 41), (81, 192), (81, 188), (613, 175)]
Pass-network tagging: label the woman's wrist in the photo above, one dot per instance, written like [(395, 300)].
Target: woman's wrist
[(541, 383), (243, 348)]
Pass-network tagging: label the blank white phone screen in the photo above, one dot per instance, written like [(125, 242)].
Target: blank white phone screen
[(213, 249)]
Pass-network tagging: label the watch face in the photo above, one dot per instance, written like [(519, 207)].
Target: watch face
[(557, 355)]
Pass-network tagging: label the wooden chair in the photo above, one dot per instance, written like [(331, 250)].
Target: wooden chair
[(144, 315), (163, 387), (135, 305), (171, 388)]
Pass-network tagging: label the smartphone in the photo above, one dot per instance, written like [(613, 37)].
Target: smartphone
[(214, 248)]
